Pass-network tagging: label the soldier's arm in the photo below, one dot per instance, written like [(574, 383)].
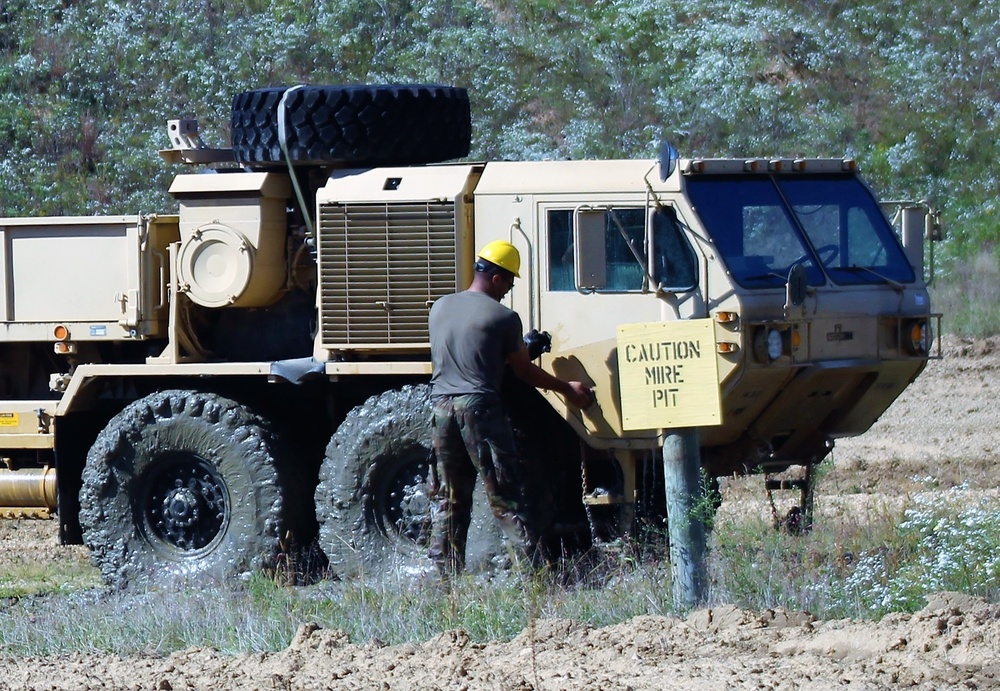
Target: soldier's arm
[(576, 392)]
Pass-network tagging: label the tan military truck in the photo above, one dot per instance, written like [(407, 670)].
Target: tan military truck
[(194, 394)]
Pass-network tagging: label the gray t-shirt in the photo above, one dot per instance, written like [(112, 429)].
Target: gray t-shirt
[(471, 336)]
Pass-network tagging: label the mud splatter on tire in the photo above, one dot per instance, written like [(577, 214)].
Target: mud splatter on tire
[(181, 485), (372, 501)]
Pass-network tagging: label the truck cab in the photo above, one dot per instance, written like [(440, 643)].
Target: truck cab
[(821, 316)]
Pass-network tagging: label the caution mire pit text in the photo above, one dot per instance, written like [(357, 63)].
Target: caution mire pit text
[(669, 375)]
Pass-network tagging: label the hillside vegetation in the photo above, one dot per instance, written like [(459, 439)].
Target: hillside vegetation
[(87, 85)]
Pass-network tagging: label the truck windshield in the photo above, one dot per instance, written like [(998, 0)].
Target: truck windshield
[(763, 226), (847, 229)]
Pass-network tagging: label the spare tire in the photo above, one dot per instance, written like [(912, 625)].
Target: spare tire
[(353, 125)]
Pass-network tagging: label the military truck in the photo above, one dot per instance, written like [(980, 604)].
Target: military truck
[(195, 394)]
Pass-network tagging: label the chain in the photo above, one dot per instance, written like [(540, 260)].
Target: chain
[(770, 499)]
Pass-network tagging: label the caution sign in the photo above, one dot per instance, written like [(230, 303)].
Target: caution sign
[(669, 375), (9, 420)]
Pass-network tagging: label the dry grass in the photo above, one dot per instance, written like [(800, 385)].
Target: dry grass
[(859, 561), (968, 296)]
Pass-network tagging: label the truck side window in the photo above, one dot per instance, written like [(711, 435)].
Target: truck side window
[(560, 229), (623, 270), (674, 264)]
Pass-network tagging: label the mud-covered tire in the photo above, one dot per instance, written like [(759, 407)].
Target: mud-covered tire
[(181, 486), (373, 502), (353, 125)]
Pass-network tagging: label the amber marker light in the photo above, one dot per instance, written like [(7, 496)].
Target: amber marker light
[(727, 347), (918, 337), (725, 317), (60, 332), (795, 339)]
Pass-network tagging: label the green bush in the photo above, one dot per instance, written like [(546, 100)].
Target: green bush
[(948, 540)]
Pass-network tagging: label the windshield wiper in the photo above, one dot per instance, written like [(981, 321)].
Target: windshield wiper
[(895, 285), (761, 277)]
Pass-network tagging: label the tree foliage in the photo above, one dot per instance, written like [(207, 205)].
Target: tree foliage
[(87, 85)]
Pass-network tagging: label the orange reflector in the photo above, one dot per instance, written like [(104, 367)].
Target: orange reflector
[(799, 165), (776, 166), (796, 338), (725, 317), (60, 332), (727, 347)]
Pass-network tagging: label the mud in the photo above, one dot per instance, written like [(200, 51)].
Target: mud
[(951, 643), (392, 430), (201, 433)]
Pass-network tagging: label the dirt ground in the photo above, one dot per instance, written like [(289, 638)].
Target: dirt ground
[(944, 426)]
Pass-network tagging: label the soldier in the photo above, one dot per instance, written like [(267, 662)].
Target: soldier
[(472, 337)]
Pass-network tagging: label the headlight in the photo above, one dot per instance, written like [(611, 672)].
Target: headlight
[(773, 344), (768, 344), (919, 337)]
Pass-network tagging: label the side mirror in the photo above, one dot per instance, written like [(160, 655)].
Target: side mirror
[(668, 160), (914, 229), (795, 288)]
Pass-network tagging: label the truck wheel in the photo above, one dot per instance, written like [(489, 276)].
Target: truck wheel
[(180, 485), (373, 502), (353, 125)]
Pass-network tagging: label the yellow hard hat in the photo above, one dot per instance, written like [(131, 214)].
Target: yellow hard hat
[(503, 254)]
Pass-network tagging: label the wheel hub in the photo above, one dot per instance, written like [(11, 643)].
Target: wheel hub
[(407, 506), (186, 506), (181, 507)]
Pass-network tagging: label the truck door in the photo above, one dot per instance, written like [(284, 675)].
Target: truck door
[(602, 266)]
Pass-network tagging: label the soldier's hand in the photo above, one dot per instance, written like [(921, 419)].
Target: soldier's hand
[(582, 395)]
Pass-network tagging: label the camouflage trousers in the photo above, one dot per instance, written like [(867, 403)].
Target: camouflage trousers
[(471, 436)]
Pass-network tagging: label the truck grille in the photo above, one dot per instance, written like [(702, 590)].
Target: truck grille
[(381, 266)]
